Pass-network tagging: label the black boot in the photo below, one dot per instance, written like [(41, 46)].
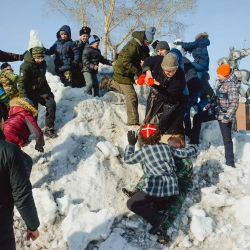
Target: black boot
[(129, 193), (50, 132), (163, 238), (158, 223)]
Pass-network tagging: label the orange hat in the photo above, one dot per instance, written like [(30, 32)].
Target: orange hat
[(223, 70)]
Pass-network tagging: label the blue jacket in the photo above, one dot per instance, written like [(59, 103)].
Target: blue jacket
[(66, 51), (198, 48)]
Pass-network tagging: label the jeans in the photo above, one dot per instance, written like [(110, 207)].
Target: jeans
[(193, 97), (225, 128), (200, 69), (91, 83)]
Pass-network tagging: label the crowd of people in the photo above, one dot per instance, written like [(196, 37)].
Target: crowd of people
[(176, 85)]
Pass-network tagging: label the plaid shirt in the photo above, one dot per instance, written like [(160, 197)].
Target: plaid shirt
[(227, 107), (158, 164)]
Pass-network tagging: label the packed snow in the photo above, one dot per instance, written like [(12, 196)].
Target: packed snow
[(77, 181)]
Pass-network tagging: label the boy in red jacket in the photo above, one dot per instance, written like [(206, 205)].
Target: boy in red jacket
[(20, 124)]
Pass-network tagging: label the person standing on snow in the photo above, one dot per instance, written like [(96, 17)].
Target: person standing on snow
[(67, 55), (128, 67), (15, 188), (223, 108), (20, 124), (32, 84), (78, 78), (91, 57)]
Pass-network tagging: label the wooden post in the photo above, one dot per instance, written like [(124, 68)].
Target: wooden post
[(243, 117)]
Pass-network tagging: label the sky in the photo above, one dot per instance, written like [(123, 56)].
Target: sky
[(226, 22)]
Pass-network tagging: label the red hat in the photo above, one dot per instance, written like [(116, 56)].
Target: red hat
[(148, 130), (224, 70)]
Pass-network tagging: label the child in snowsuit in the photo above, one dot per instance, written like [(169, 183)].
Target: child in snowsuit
[(20, 124), (67, 55), (91, 57), (158, 164)]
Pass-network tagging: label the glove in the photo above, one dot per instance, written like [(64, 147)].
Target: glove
[(132, 137), (39, 149), (74, 64)]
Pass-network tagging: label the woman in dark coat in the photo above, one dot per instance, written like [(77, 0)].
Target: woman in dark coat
[(167, 97)]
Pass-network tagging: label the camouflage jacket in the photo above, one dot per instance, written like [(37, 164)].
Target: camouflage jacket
[(8, 80)]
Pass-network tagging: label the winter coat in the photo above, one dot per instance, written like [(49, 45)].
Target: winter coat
[(81, 47), (227, 98), (9, 57), (15, 187), (129, 59), (208, 91), (32, 77), (193, 82), (92, 57), (21, 123), (66, 51), (198, 48), (8, 80)]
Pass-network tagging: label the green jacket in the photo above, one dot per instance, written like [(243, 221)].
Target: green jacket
[(32, 77), (8, 80), (15, 186), (128, 62)]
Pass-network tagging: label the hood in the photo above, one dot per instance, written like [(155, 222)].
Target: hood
[(139, 35), (18, 104), (176, 52), (28, 56), (65, 28)]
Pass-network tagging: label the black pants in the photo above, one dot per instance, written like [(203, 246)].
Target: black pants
[(28, 162), (50, 105), (225, 128), (140, 204), (7, 238)]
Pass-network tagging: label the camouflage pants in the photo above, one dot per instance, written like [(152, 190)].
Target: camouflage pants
[(172, 206), (65, 77)]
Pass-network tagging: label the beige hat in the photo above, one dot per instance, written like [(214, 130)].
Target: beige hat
[(169, 62)]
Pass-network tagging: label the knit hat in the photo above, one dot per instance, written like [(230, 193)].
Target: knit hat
[(62, 32), (149, 134), (149, 34), (93, 39), (170, 62), (223, 70), (37, 52), (4, 65), (162, 45), (84, 30)]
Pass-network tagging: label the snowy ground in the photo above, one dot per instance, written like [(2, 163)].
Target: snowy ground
[(77, 183)]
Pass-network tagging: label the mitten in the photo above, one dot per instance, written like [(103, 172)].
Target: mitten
[(141, 79), (39, 149)]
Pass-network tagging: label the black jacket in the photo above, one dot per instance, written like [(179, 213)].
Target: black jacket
[(15, 186), (92, 57)]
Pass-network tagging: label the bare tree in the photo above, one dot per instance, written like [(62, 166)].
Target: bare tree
[(114, 20)]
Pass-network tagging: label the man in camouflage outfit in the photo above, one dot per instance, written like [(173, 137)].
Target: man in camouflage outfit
[(33, 85)]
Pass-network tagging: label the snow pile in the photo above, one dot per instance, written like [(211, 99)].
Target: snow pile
[(81, 206)]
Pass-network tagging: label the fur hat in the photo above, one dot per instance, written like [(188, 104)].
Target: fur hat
[(205, 34), (4, 65), (93, 39), (162, 45), (37, 52), (25, 104), (224, 70), (149, 34), (84, 30), (170, 62), (149, 134)]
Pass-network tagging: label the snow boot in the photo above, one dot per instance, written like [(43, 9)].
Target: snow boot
[(158, 223), (50, 132), (130, 193)]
